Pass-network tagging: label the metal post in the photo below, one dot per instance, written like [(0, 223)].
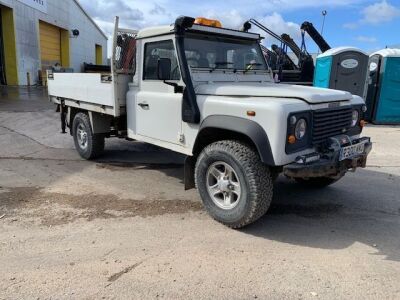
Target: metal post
[(63, 115), (324, 13)]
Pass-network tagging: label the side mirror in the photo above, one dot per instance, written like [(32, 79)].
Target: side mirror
[(164, 69)]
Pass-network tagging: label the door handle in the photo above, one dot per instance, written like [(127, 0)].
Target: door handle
[(144, 105)]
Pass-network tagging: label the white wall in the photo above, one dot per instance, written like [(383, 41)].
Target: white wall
[(82, 49), (62, 13)]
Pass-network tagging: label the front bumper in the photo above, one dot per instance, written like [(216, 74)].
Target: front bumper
[(328, 163)]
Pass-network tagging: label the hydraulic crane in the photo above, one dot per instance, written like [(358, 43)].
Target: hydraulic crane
[(316, 36), (285, 68)]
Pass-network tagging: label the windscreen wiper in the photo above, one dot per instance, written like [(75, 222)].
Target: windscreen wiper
[(250, 66)]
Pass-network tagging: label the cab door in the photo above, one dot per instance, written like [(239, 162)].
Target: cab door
[(158, 107)]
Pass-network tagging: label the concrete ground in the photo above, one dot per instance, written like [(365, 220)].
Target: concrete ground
[(123, 227)]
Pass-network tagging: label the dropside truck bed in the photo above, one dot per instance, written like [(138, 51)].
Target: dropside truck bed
[(103, 93), (95, 92)]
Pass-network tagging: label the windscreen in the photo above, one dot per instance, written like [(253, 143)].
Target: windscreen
[(216, 52)]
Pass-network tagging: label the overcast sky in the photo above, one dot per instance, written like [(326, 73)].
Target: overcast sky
[(368, 24)]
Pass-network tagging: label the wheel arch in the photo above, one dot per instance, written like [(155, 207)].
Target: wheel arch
[(71, 113), (217, 127), (220, 127), (100, 123)]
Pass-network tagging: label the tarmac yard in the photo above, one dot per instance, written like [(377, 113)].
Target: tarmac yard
[(124, 228)]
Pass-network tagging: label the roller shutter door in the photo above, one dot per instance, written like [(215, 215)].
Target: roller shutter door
[(50, 45), (2, 64)]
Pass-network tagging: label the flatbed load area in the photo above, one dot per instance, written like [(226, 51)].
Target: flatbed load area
[(89, 88), (103, 92), (90, 91)]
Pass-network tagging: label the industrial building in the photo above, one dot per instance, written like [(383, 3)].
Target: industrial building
[(38, 34)]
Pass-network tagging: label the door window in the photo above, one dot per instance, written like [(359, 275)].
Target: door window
[(153, 52)]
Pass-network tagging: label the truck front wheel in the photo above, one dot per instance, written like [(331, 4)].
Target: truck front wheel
[(88, 145), (235, 186)]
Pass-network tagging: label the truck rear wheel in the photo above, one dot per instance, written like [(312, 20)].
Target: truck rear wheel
[(235, 186), (318, 182), (88, 145)]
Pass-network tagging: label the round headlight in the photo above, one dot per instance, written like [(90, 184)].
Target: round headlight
[(354, 118), (301, 129)]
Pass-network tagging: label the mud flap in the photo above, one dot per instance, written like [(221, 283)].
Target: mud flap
[(189, 167), (63, 116)]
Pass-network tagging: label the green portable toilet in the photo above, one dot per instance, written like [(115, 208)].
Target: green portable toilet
[(342, 68), (382, 94)]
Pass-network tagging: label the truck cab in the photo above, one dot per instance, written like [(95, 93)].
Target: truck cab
[(207, 92)]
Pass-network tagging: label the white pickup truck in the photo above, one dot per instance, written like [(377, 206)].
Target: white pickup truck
[(205, 91)]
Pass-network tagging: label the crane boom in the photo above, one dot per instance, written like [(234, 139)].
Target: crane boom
[(247, 26), (281, 64), (291, 44), (283, 58), (316, 36)]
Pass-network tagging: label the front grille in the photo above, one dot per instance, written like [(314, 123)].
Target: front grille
[(331, 122)]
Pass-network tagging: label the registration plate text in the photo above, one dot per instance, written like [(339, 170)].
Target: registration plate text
[(351, 151)]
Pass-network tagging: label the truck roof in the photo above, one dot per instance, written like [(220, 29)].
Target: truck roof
[(169, 29), (155, 31)]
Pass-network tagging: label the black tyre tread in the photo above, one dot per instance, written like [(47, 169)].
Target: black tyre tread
[(318, 182), (258, 175), (96, 141)]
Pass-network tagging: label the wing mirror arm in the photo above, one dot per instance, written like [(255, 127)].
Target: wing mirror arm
[(164, 74), (178, 89)]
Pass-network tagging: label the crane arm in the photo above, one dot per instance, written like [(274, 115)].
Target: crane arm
[(291, 44), (316, 36), (283, 57)]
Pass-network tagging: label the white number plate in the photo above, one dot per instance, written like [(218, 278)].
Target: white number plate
[(351, 151)]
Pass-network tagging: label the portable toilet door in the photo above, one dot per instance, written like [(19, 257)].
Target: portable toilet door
[(343, 68), (383, 94), (372, 88)]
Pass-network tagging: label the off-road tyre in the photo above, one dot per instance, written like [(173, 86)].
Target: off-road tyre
[(318, 182), (95, 142), (255, 182)]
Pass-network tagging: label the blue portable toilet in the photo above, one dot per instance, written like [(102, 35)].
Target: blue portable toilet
[(382, 94), (342, 68)]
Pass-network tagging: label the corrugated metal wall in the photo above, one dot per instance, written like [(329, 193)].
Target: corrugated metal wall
[(21, 35)]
